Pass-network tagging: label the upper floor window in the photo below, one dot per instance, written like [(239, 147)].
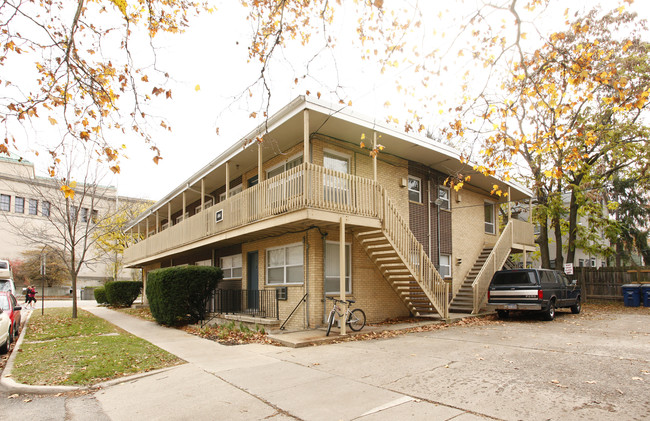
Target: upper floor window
[(84, 214), (33, 206), (284, 265), (443, 195), (5, 202), (445, 266), (488, 207), (206, 205), (285, 166), (336, 162), (231, 193), (415, 189), (45, 208), (19, 205)]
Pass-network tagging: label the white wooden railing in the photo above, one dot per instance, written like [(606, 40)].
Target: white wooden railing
[(515, 232), (412, 253)]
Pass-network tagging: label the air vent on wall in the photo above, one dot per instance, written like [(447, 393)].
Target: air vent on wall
[(219, 215)]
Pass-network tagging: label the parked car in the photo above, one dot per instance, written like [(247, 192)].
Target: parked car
[(9, 305), (540, 290), (5, 332)]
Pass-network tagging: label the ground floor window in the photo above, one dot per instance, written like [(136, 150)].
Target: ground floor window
[(207, 262), (445, 266), (489, 217), (284, 265), (332, 268), (231, 266)]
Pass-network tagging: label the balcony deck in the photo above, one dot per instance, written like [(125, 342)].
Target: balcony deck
[(295, 200)]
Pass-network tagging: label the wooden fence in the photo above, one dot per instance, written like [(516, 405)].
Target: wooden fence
[(605, 283)]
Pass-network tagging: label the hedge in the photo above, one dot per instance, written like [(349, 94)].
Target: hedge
[(180, 294), (122, 293), (100, 295)]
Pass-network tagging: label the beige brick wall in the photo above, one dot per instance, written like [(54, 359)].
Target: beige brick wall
[(468, 228), (373, 293)]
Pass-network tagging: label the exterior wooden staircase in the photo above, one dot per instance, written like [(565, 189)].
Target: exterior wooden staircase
[(401, 259), (397, 272), (463, 302)]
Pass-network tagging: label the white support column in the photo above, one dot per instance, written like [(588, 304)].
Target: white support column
[(169, 215), (374, 157), (259, 162), (306, 155), (184, 205), (342, 273), (509, 207), (202, 195), (146, 234), (157, 223), (227, 179), (530, 210)]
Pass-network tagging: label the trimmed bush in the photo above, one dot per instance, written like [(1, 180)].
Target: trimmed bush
[(122, 293), (100, 295), (180, 294)]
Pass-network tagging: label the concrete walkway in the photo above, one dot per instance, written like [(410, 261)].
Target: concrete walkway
[(249, 382)]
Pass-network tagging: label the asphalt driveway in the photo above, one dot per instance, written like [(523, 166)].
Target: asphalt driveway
[(587, 366)]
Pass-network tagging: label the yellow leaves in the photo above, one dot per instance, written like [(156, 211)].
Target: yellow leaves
[(252, 115), (363, 136), (627, 45), (121, 5), (362, 145), (84, 135), (68, 190), (523, 35), (52, 121), (156, 159), (197, 87)]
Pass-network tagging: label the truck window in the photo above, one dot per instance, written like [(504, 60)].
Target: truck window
[(514, 278)]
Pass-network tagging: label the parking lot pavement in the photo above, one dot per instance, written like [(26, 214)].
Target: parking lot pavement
[(587, 366), (577, 367)]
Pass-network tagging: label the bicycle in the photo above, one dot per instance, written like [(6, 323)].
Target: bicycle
[(356, 319)]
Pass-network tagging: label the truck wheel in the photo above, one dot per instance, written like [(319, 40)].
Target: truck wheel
[(575, 309), (549, 313), (502, 314)]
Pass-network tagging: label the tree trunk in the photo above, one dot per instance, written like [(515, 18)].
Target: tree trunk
[(542, 241), (559, 257), (573, 230)]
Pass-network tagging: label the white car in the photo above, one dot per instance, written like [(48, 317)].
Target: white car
[(5, 330)]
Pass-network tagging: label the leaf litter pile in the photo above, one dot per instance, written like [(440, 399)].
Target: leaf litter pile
[(60, 350), (231, 334)]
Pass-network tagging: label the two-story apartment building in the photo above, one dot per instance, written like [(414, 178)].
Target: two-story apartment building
[(306, 213)]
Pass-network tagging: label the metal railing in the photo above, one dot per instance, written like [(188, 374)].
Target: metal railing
[(255, 303)]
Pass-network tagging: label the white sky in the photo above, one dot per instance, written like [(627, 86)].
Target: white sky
[(208, 55)]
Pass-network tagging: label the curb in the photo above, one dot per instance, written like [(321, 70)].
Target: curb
[(9, 385)]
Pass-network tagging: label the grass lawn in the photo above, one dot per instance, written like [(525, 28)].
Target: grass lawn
[(59, 350)]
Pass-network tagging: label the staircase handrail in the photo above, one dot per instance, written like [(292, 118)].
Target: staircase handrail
[(497, 257), (412, 254)]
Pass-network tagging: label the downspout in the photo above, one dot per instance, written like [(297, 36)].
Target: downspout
[(429, 215), (306, 248)]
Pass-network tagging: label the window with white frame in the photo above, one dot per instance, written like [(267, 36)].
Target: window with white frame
[(444, 195), (284, 265), (45, 208), (488, 208), (415, 189), (337, 189), (206, 204), (33, 206), (233, 191), (181, 217), (207, 262), (279, 190), (19, 205), (231, 266), (445, 265), (5, 202), (332, 268)]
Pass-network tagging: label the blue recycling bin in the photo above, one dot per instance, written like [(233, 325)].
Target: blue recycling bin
[(645, 295), (631, 295)]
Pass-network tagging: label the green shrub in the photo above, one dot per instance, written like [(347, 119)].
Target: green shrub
[(100, 295), (180, 294), (122, 293)]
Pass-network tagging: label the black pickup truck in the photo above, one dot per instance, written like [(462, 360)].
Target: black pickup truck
[(532, 290)]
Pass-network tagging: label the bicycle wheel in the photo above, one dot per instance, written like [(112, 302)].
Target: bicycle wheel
[(330, 321), (357, 319)]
